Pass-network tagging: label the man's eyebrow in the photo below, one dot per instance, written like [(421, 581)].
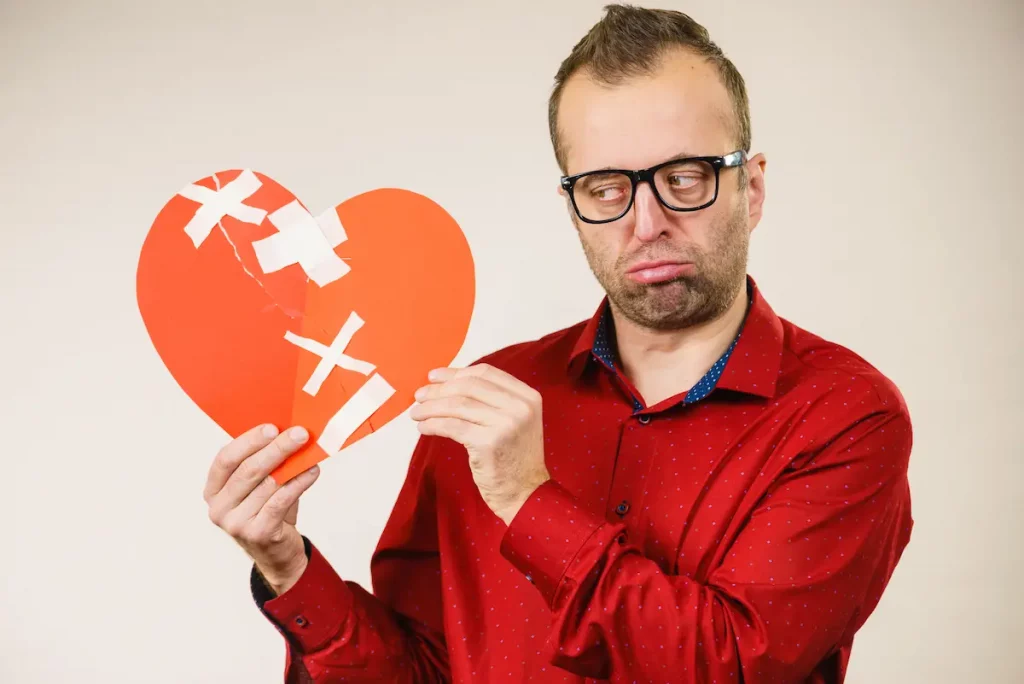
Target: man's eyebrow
[(681, 155)]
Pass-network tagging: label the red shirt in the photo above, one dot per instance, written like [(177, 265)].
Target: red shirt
[(741, 531)]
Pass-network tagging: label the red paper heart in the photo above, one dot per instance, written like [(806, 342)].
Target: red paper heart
[(239, 330)]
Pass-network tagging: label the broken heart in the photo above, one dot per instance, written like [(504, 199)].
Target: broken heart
[(264, 313)]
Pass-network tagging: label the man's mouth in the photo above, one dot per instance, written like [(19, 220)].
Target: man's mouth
[(654, 272)]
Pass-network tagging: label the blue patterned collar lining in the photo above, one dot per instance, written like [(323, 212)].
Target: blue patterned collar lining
[(604, 351)]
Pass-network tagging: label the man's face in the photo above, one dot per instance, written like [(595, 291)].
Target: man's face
[(663, 269)]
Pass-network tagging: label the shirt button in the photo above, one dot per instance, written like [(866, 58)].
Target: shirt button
[(529, 579), (301, 621), (644, 419), (622, 508)]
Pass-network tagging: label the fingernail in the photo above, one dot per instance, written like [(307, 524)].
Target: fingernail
[(298, 434), (314, 471), (269, 431), (434, 374), (420, 393)]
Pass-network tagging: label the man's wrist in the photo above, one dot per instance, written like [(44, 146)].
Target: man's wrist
[(509, 512), (280, 581)]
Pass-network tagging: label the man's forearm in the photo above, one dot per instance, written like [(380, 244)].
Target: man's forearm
[(337, 631)]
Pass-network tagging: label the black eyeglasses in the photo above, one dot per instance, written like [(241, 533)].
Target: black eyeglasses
[(686, 184)]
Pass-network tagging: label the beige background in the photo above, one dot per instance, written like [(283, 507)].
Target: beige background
[(892, 225)]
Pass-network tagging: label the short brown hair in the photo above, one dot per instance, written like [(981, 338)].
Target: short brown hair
[(630, 41)]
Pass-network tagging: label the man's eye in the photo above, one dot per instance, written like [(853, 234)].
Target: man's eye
[(607, 193), (679, 182)]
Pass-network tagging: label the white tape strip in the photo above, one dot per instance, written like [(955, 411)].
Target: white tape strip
[(216, 204), (299, 241), (330, 225), (331, 356), (364, 403)]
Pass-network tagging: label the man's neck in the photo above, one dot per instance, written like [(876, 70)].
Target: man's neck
[(663, 363)]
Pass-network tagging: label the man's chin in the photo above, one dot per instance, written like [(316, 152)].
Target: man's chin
[(658, 319), (668, 294), (656, 305), (636, 289), (660, 309)]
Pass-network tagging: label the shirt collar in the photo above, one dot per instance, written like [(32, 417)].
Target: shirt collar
[(750, 365)]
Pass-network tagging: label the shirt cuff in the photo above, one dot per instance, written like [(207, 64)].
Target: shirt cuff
[(546, 535), (311, 612)]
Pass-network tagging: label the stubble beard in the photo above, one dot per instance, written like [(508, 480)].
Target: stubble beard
[(685, 301)]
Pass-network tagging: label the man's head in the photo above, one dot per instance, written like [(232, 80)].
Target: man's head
[(645, 87)]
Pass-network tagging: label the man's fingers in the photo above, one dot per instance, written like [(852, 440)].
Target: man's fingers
[(292, 516), (282, 504), (463, 432), (488, 372), (233, 453), (501, 378), (254, 469), (250, 506), (480, 389), (457, 406)]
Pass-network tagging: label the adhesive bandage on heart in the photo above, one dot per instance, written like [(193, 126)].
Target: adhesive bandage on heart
[(332, 356), (214, 205), (300, 240), (370, 396)]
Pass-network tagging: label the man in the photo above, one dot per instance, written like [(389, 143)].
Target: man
[(685, 488)]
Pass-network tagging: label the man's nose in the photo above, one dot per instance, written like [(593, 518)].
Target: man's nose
[(650, 220)]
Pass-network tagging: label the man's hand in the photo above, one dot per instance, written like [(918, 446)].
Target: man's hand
[(253, 509), (498, 419)]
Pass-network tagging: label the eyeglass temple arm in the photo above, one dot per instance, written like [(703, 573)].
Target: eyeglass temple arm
[(734, 158)]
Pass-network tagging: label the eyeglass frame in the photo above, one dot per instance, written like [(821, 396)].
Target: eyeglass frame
[(726, 161)]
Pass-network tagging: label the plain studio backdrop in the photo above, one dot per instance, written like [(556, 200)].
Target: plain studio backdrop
[(892, 133)]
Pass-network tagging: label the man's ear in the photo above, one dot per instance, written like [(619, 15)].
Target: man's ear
[(755, 168)]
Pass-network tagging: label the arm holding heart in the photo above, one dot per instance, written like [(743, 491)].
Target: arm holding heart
[(498, 419), (336, 630)]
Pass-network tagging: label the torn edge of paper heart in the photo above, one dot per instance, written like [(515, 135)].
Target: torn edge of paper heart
[(238, 258), (302, 240)]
